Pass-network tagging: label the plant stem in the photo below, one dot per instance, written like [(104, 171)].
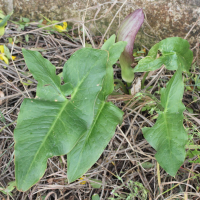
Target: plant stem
[(143, 80), (129, 87)]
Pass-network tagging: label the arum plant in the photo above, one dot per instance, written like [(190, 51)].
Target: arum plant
[(168, 136), (53, 125), (127, 32)]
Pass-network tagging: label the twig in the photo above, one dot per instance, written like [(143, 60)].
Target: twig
[(191, 28), (102, 39)]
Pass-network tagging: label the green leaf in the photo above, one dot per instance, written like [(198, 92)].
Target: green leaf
[(2, 31), (4, 21), (27, 20), (147, 165), (168, 136), (95, 183), (114, 51), (109, 42), (106, 116), (9, 188), (51, 125), (175, 54), (88, 45), (22, 26), (197, 82), (2, 119), (27, 38), (1, 14), (95, 197)]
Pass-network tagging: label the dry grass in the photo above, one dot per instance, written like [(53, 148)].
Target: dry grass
[(127, 153)]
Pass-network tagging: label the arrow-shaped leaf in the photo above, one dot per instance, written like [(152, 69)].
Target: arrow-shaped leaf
[(107, 116), (175, 53), (51, 124), (168, 136)]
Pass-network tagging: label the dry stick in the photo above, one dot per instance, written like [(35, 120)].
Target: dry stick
[(144, 180), (191, 28), (192, 117), (61, 198), (178, 183), (104, 175), (158, 176), (87, 32), (104, 14), (189, 177), (48, 195), (146, 120), (14, 86), (91, 40), (66, 42), (103, 182), (79, 34), (57, 56), (108, 11), (52, 41), (138, 107), (157, 75), (84, 22), (15, 95), (38, 29), (106, 169), (93, 7), (197, 51), (157, 80), (131, 145), (97, 12), (10, 83), (128, 132), (17, 69), (111, 23)]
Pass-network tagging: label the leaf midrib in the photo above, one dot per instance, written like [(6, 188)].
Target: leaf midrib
[(89, 133), (168, 132), (46, 136), (165, 113)]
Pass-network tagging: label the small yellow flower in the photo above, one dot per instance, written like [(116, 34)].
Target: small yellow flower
[(1, 48), (2, 57), (82, 182), (13, 57), (64, 25), (113, 163), (60, 28)]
